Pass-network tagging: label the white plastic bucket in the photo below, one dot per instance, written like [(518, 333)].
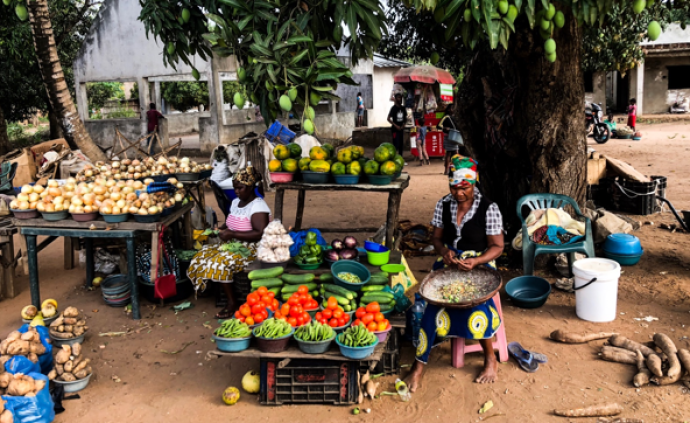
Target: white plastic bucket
[(596, 301)]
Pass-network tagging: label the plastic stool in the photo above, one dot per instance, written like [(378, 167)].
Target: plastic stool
[(459, 349)]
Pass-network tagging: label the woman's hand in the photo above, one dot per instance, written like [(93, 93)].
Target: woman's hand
[(449, 257), (226, 235), (467, 264)]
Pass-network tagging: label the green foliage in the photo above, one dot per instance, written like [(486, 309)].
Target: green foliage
[(185, 95), (229, 90), (100, 92), (121, 112), (134, 92)]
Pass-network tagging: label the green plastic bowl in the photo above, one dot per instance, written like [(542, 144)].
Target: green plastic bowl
[(393, 268), (378, 259), (352, 267), (309, 266)]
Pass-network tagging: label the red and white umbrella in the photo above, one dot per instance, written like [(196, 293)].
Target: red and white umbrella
[(423, 74)]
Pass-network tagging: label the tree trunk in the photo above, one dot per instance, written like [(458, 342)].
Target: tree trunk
[(55, 127), (54, 81), (522, 118), (4, 138)]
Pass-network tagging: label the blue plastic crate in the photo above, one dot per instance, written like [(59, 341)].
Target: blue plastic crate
[(279, 133)]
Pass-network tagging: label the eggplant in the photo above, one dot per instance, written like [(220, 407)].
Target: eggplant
[(348, 254), (332, 255), (350, 242), (337, 244)]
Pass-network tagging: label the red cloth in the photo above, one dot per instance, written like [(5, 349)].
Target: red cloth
[(631, 121), (152, 118)]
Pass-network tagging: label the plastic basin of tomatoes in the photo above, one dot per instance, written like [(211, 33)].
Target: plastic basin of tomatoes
[(333, 315), (259, 307), (296, 310), (371, 317)]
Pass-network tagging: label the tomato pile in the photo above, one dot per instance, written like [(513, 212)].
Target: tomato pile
[(255, 310), (371, 317), (333, 315), (294, 311)]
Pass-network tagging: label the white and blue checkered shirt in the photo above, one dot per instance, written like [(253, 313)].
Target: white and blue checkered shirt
[(494, 220)]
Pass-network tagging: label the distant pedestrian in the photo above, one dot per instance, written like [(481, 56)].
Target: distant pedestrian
[(418, 115), (152, 117), (632, 113), (360, 110), (397, 117)]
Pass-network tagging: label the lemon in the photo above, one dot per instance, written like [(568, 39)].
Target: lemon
[(231, 395)]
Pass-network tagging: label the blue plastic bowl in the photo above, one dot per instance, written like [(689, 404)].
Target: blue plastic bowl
[(346, 179), (315, 177), (352, 267), (380, 179), (624, 260), (232, 344), (374, 247), (528, 291), (623, 244), (356, 353)]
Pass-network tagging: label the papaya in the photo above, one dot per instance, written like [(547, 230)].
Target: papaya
[(317, 153), (381, 154), (389, 168), (371, 167), (289, 165), (275, 166), (303, 163), (353, 168), (399, 162), (320, 166), (338, 168), (281, 152), (328, 148), (295, 151), (345, 155), (392, 151), (356, 153)]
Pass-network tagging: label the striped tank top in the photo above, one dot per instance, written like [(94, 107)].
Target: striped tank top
[(240, 218)]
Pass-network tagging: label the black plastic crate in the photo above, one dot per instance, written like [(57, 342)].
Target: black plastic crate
[(390, 359), (241, 286), (309, 382), (633, 197)]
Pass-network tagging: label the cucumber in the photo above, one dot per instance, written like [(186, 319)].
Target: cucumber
[(326, 277), (379, 294), (276, 291), (337, 290), (290, 289), (386, 307), (268, 283), (341, 300), (380, 275), (377, 281), (273, 272), (370, 288), (374, 298), (298, 279)]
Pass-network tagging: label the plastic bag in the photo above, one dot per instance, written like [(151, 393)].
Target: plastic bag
[(37, 409), (21, 364), (402, 303), (105, 263), (45, 361), (299, 237)]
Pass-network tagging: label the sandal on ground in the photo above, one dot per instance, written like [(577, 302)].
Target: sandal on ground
[(224, 314), (524, 358), (516, 348)]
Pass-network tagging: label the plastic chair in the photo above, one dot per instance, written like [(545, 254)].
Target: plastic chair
[(531, 249), (459, 349)]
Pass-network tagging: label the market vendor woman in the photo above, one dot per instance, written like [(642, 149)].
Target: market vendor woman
[(249, 215), (468, 232)]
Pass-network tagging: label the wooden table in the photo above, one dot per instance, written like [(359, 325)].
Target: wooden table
[(100, 229), (7, 231), (394, 190)]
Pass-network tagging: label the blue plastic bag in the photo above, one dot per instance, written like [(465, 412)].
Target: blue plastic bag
[(299, 237), (44, 360), (21, 364), (402, 303), (38, 409)]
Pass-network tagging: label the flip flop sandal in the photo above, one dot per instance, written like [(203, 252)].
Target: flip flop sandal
[(538, 357), (523, 357)]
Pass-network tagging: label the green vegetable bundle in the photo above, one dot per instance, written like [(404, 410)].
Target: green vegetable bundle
[(314, 332), (273, 329), (233, 328), (357, 337)]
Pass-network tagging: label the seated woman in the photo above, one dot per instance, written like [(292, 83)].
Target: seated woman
[(468, 232), (249, 216)]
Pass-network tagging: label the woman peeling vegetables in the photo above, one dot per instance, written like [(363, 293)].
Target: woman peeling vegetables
[(468, 232), (249, 215)]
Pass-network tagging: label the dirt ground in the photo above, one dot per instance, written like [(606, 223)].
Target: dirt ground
[(137, 381)]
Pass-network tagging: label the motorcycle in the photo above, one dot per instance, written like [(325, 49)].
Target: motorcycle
[(593, 122)]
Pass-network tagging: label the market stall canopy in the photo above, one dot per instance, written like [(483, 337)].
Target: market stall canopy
[(423, 74)]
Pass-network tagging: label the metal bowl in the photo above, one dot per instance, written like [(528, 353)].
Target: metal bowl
[(74, 386), (60, 342), (435, 280)]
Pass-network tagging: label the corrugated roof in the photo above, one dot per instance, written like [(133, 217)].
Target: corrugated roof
[(385, 62)]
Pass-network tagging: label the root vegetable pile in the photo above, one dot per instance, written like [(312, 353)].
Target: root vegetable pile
[(27, 344), (70, 324), (70, 364)]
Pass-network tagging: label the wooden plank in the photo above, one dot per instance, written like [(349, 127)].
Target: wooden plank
[(596, 169), (300, 209), (625, 170), (399, 184), (278, 205), (368, 229), (69, 252)]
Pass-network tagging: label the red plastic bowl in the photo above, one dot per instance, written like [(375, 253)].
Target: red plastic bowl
[(85, 217), (282, 177)]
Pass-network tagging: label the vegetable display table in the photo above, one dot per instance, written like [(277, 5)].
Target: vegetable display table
[(99, 229), (395, 258), (394, 190)]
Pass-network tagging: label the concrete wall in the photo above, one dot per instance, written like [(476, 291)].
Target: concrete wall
[(184, 123), (657, 96), (671, 35), (103, 133), (383, 84)]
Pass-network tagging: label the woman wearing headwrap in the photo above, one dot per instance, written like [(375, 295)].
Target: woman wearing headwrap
[(249, 215), (468, 232)]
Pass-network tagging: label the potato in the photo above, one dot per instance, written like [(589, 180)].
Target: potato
[(76, 349), (28, 335), (81, 374), (58, 322), (18, 348), (3, 346), (61, 328), (71, 312), (60, 335), (69, 366), (6, 417), (20, 387), (79, 330), (67, 377), (37, 348), (32, 357), (52, 375), (5, 379), (81, 322), (71, 320), (69, 328), (62, 355)]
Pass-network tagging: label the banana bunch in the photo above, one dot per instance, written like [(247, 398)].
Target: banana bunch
[(357, 337), (273, 329), (314, 332), (233, 328)]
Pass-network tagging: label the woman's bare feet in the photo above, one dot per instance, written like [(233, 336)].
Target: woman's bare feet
[(415, 377), (490, 372)]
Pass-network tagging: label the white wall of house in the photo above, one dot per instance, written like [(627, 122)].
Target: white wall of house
[(383, 84)]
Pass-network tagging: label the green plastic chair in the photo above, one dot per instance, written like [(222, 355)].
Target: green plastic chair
[(531, 249)]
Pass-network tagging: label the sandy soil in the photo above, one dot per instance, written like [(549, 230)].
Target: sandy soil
[(138, 382)]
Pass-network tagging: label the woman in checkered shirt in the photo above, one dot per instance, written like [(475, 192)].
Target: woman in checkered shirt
[(468, 232)]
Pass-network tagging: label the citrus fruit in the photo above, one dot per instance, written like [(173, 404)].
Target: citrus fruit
[(345, 155), (371, 167), (285, 103), (275, 166), (231, 395), (338, 168), (353, 168), (653, 30), (281, 152), (295, 150), (303, 163), (317, 153)]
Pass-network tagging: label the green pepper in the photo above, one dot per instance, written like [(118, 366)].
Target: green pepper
[(305, 251), (314, 251), (311, 260), (311, 238)]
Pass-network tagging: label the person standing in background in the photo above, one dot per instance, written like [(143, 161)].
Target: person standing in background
[(397, 117), (360, 110), (418, 116), (632, 113), (152, 117)]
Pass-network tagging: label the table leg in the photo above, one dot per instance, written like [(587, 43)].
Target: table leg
[(202, 196), (392, 216), (69, 252), (132, 276), (88, 246), (154, 255), (188, 231), (278, 212), (25, 255), (32, 264), (8, 271), (300, 209)]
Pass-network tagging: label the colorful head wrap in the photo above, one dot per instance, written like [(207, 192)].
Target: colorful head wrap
[(247, 177), (463, 171)]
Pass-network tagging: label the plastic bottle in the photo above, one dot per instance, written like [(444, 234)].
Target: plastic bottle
[(416, 311), (401, 387)]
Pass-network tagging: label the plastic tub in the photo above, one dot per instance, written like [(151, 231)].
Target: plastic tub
[(232, 344), (85, 217), (624, 260), (186, 177), (383, 335), (184, 289), (282, 177), (115, 284), (60, 342), (149, 218), (393, 268), (115, 218), (374, 247), (623, 244), (315, 177), (378, 259), (47, 321), (596, 301), (55, 216), (380, 179), (74, 386), (356, 353), (312, 347), (273, 345), (25, 214), (528, 291), (205, 174), (309, 266), (352, 267), (346, 179)]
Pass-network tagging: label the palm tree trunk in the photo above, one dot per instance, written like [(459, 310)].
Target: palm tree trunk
[(54, 81)]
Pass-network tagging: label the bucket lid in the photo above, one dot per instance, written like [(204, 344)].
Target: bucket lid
[(597, 268)]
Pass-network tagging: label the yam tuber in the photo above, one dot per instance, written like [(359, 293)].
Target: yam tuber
[(39, 385), (643, 374), (60, 335), (654, 365), (18, 347), (593, 411), (81, 374), (621, 341), (76, 349), (82, 365), (13, 336), (67, 377), (577, 338), (81, 322), (28, 335), (69, 328), (32, 357), (69, 366), (78, 330), (618, 355), (71, 320), (58, 322), (59, 369), (6, 417), (37, 348), (61, 328), (684, 357), (63, 355), (4, 359), (669, 348), (3, 346), (19, 386), (52, 375), (5, 379), (71, 312), (2, 405)]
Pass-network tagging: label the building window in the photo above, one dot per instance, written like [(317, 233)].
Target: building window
[(678, 77), (589, 82)]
